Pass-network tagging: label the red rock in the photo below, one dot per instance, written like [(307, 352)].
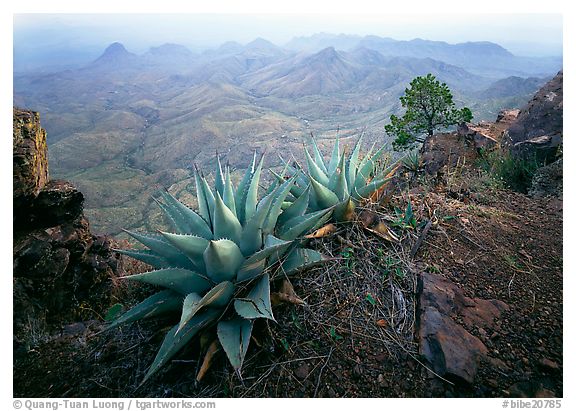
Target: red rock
[(449, 348)]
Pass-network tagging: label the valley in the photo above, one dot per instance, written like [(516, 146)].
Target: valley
[(127, 125)]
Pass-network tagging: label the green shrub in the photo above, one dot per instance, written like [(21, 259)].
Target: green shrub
[(508, 171)]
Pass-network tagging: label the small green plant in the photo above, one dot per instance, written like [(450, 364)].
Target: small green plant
[(405, 219), (511, 172), (411, 161), (349, 260), (433, 268), (390, 266), (399, 272), (285, 344), (215, 266), (370, 299), (335, 336)]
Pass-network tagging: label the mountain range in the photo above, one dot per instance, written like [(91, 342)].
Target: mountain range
[(126, 124)]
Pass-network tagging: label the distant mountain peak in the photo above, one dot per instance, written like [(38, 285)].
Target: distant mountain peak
[(260, 42), (115, 49), (328, 54), (115, 53)]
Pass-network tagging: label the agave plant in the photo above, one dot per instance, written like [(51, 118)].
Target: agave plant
[(341, 183), (411, 161), (215, 264)]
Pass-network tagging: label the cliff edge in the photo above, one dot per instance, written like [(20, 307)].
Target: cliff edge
[(61, 271)]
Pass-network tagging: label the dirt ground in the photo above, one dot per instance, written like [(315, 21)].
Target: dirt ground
[(354, 336)]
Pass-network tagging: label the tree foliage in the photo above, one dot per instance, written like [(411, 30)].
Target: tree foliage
[(429, 106)]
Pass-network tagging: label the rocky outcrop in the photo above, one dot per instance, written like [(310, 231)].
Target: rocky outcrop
[(548, 181), (30, 170), (444, 151), (478, 135), (538, 129), (448, 150), (61, 271), (452, 351)]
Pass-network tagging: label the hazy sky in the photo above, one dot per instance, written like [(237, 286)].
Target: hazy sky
[(521, 33)]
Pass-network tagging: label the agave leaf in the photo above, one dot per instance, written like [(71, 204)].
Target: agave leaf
[(300, 185), (234, 336), (335, 157), (324, 197), (162, 247), (248, 271), (314, 170), (207, 362), (190, 301), (383, 231), (297, 226), (298, 190), (226, 225), (159, 303), (147, 256), (353, 162), (174, 342), (193, 247), (388, 174), (300, 259), (345, 210), (341, 188), (318, 159), (322, 231), (175, 219), (242, 191), (296, 209), (210, 200), (252, 195), (222, 259), (217, 297), (257, 303), (272, 245), (228, 196), (177, 279), (203, 207), (367, 190), (219, 178), (334, 177), (252, 231), (279, 179), (366, 170), (279, 195), (193, 223)]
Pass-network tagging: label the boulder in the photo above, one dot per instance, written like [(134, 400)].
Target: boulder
[(507, 116), (478, 135), (58, 202), (446, 150), (539, 122), (451, 350), (548, 181), (543, 149)]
